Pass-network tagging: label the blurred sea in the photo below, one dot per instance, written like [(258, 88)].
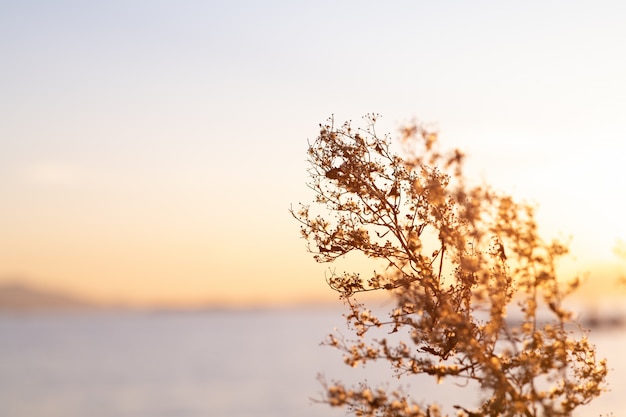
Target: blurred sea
[(204, 364)]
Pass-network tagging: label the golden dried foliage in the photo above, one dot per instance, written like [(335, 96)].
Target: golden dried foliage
[(456, 257)]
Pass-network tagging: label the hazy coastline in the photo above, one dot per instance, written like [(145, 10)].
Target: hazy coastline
[(17, 298)]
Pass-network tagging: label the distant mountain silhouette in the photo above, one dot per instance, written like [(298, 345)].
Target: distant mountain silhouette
[(18, 297)]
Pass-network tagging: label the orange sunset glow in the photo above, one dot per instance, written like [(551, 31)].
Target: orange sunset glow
[(149, 153)]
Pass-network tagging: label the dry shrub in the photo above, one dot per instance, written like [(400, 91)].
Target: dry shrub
[(455, 258)]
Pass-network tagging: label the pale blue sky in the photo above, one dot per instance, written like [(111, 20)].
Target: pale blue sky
[(154, 144)]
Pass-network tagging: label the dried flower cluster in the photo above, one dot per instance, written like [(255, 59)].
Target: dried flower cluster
[(455, 258)]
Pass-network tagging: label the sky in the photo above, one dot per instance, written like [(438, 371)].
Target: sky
[(150, 150)]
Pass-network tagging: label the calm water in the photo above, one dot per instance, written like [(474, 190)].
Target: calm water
[(251, 364)]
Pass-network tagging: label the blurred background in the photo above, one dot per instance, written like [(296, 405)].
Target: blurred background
[(150, 151)]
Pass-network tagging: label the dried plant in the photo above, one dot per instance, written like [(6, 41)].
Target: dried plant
[(455, 259)]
